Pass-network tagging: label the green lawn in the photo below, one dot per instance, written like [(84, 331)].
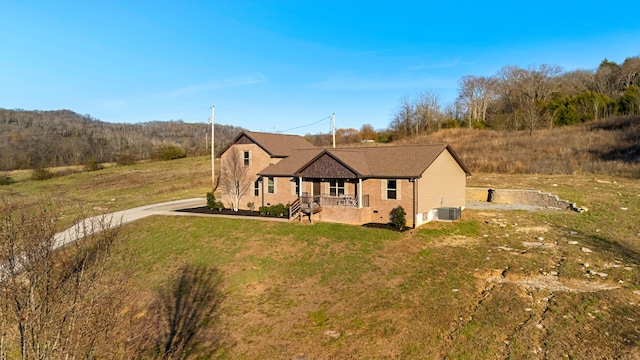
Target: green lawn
[(510, 284)]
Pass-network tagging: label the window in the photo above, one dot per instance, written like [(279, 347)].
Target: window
[(271, 185), (336, 187), (256, 188), (246, 156), (392, 189)]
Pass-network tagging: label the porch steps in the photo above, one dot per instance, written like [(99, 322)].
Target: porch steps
[(294, 210)]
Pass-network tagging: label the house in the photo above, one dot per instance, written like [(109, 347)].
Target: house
[(349, 185)]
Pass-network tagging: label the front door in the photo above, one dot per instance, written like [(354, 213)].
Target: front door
[(316, 187)]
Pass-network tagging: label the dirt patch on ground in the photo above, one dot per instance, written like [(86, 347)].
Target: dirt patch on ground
[(555, 283), (454, 240), (532, 229)]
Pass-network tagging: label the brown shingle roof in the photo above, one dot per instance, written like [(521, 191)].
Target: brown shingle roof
[(276, 145), (368, 162)]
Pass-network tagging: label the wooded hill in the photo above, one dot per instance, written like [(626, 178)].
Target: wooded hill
[(41, 139)]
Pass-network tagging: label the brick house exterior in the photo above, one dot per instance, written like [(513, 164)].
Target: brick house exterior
[(350, 185)]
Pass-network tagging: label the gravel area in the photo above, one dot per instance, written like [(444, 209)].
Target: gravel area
[(483, 205)]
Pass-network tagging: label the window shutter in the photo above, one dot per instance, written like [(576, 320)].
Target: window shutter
[(398, 187), (383, 189)]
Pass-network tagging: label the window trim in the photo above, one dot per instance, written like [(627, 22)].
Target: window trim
[(392, 190), (256, 188), (336, 187), (271, 185), (246, 158)]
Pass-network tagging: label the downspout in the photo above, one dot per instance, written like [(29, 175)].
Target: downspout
[(359, 193), (262, 190), (415, 202)]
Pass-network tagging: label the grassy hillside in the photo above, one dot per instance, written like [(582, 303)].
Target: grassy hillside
[(497, 284), (609, 146)]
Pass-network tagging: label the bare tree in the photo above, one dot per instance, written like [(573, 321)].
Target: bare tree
[(630, 71), (235, 179), (475, 94), (348, 136), (607, 79), (402, 122), (57, 300), (531, 88), (427, 113), (367, 132)]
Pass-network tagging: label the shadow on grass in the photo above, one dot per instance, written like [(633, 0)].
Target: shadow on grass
[(614, 248), (188, 312)]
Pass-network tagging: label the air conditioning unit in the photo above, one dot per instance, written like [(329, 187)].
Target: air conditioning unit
[(449, 213)]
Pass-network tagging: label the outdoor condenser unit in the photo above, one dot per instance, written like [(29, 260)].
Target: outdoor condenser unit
[(449, 213)]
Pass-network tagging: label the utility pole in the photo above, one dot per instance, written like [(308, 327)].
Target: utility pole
[(333, 128), (213, 157)]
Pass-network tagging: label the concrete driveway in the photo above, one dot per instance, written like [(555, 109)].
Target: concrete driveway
[(90, 225)]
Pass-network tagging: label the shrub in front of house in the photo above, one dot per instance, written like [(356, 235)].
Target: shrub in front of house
[(212, 203), (398, 218), (279, 210)]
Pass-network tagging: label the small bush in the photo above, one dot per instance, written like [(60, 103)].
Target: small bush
[(125, 159), (274, 210), (93, 165), (6, 180), (398, 218), (251, 205), (41, 174), (167, 152), (212, 203)]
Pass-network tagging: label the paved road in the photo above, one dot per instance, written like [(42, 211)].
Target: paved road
[(102, 222)]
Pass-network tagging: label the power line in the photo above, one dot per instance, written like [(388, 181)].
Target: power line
[(304, 126)]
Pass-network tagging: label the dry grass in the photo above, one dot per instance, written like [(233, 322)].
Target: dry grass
[(499, 284), (431, 293), (115, 187), (610, 146)]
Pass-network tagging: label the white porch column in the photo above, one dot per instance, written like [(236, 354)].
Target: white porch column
[(360, 193), (299, 186)]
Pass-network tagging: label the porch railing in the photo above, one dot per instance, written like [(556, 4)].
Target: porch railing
[(335, 201)]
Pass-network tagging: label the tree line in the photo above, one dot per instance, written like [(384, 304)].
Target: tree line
[(529, 98), (513, 99), (42, 139)]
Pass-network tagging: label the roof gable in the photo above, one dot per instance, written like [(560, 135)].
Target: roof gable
[(326, 165)]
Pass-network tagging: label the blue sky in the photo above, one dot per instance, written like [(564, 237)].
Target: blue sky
[(279, 65)]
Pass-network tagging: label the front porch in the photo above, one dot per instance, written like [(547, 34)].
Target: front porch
[(343, 209), (342, 200)]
